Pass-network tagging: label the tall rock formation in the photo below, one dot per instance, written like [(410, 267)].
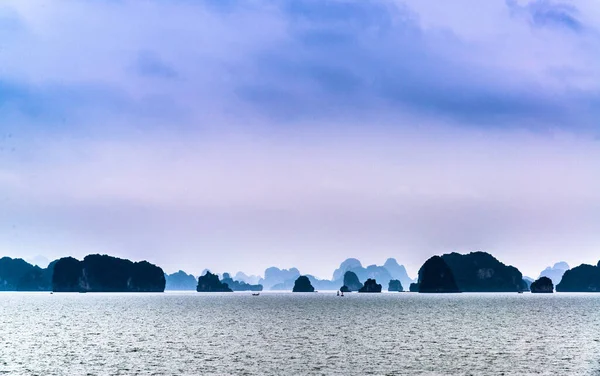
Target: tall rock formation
[(180, 281), (302, 284), (102, 273), (19, 275), (348, 264), (210, 283), (351, 282), (582, 278), (370, 285), (555, 272), (250, 279), (239, 285), (397, 272), (395, 285), (542, 285), (275, 276), (435, 276), (481, 272)]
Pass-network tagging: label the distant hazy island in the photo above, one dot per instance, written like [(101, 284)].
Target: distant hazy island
[(448, 273)]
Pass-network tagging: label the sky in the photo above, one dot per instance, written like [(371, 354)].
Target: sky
[(237, 135)]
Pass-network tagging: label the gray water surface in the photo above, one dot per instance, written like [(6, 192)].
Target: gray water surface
[(288, 334)]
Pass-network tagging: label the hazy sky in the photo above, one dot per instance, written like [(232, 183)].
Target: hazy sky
[(241, 134)]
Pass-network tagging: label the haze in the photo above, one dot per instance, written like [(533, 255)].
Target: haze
[(238, 135)]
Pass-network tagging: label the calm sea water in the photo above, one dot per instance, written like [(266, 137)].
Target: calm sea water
[(287, 334)]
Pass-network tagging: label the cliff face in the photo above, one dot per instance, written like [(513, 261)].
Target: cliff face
[(102, 273), (210, 283), (351, 282), (397, 272), (302, 284), (19, 275), (542, 285), (481, 272), (435, 276), (395, 285), (582, 278)]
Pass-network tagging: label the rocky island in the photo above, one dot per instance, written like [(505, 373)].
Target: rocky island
[(542, 285), (397, 272), (351, 282), (103, 273), (180, 281), (282, 277), (239, 285), (390, 270), (555, 272), (435, 276), (210, 283), (395, 286), (482, 272), (302, 284), (19, 275), (582, 278), (370, 285)]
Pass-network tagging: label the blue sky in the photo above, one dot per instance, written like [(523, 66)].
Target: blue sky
[(236, 135)]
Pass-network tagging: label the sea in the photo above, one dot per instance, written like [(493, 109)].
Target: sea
[(189, 333)]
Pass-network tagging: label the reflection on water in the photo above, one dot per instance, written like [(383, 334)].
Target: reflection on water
[(284, 334)]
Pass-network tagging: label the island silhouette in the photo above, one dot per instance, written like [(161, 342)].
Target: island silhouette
[(448, 273)]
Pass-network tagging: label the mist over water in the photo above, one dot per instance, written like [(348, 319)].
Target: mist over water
[(284, 334)]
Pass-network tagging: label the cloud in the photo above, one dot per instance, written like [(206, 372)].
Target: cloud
[(324, 129), (326, 59), (547, 13), (377, 54), (149, 64), (269, 198)]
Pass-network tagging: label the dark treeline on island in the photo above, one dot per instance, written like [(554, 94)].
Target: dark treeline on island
[(102, 273), (435, 276), (583, 278), (210, 283), (19, 275), (542, 285), (448, 273)]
